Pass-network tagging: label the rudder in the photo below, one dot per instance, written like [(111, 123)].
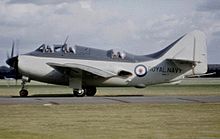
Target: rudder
[(191, 47)]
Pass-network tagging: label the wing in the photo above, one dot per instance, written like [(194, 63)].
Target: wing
[(79, 67)]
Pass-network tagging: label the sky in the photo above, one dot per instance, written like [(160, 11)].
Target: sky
[(136, 26)]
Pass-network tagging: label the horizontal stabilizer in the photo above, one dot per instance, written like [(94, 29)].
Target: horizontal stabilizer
[(180, 61), (201, 75)]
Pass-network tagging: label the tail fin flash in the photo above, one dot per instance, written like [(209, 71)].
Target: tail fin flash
[(191, 47)]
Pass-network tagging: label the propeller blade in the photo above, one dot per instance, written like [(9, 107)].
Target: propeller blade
[(8, 55), (17, 50), (67, 37), (12, 50)]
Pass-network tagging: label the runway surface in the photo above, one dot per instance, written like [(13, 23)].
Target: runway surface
[(108, 100)]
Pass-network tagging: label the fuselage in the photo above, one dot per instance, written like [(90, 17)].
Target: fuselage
[(35, 66)]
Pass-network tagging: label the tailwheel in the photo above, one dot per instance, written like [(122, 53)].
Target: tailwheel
[(91, 91), (79, 92), (23, 93)]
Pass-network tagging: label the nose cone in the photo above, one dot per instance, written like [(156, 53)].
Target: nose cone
[(13, 62)]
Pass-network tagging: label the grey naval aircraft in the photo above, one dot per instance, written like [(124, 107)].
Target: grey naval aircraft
[(84, 69)]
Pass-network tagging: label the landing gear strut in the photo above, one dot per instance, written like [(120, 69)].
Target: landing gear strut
[(23, 92), (89, 91)]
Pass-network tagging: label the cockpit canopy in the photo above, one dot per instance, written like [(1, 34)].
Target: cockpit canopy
[(79, 51), (55, 48), (117, 54)]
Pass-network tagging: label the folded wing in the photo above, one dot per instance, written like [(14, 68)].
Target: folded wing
[(64, 68)]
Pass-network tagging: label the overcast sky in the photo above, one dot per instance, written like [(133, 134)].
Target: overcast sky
[(136, 26)]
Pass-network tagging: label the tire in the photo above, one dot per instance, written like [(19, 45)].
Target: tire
[(79, 93), (91, 91), (23, 93)]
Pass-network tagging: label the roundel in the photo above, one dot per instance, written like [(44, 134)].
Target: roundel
[(140, 70)]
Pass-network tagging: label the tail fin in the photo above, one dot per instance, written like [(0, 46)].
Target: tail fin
[(190, 47)]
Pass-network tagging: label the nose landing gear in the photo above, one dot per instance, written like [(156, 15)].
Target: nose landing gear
[(23, 92)]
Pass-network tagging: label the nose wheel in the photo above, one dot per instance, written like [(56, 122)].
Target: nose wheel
[(23, 93)]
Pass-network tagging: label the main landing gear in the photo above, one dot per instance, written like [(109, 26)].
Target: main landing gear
[(88, 91)]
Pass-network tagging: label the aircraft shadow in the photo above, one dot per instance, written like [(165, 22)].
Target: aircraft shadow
[(71, 95), (46, 95), (120, 96)]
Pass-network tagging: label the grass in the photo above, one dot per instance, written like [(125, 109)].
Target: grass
[(113, 121), (110, 121)]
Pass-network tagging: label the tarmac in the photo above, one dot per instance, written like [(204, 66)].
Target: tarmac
[(57, 100)]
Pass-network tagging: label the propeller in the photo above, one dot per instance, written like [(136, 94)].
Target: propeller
[(12, 61)]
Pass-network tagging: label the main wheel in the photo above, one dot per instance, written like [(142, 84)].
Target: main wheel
[(23, 93), (79, 92), (91, 91)]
